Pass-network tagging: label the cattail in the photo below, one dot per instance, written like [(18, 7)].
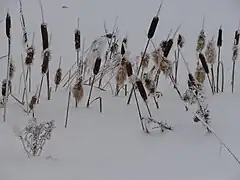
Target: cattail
[(30, 56), (180, 41), (78, 91), (44, 32), (153, 27), (145, 60), (46, 59), (166, 67), (8, 26), (77, 39), (211, 53), (236, 37), (121, 75), (58, 76), (33, 102), (168, 48), (4, 87), (123, 47), (157, 56), (201, 41), (129, 69), (204, 63), (235, 52), (97, 66), (149, 84), (200, 74), (141, 89), (12, 70), (219, 40)]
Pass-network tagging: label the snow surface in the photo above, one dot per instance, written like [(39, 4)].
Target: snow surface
[(111, 145)]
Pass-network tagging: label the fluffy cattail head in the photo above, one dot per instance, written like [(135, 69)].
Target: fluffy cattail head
[(58, 76), (33, 102), (4, 87), (211, 53), (12, 69), (30, 56), (200, 74), (46, 59), (166, 67), (235, 52), (201, 41), (121, 75), (157, 56), (145, 59), (44, 32), (149, 84), (78, 90), (114, 48), (77, 37)]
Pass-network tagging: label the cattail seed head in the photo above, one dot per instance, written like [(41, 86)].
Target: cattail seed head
[(123, 47), (157, 56), (153, 27), (145, 59), (149, 84), (180, 41), (219, 40), (204, 63), (8, 26), (141, 89), (166, 67), (168, 48), (12, 69), (44, 32), (236, 37), (97, 66), (121, 75), (211, 53), (201, 41), (200, 74), (30, 56), (235, 52), (78, 90), (77, 39), (129, 69), (46, 59), (33, 102), (4, 87), (58, 76)]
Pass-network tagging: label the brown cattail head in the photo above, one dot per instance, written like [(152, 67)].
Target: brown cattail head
[(123, 47), (77, 39), (58, 76), (46, 59), (145, 59), (204, 63), (149, 84), (121, 75), (191, 80), (201, 41), (44, 32), (180, 41), (168, 48), (33, 102), (97, 66), (129, 69), (166, 67), (141, 90), (153, 27), (211, 53), (8, 26), (157, 56), (163, 45), (78, 90), (12, 69), (30, 56), (200, 74), (4, 87), (219, 40), (236, 37), (235, 52)]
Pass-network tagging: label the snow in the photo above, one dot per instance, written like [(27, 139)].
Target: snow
[(111, 145)]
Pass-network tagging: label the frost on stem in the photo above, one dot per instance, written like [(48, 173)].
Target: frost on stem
[(211, 53), (35, 136)]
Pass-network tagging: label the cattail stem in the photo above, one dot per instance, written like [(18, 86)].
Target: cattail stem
[(138, 108), (213, 80), (218, 68), (24, 89), (90, 92), (210, 83), (177, 55), (29, 78), (100, 103), (233, 75), (20, 83), (40, 88), (25, 84), (48, 85), (65, 75), (68, 103), (138, 70)]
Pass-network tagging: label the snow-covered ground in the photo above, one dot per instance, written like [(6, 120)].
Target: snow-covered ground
[(111, 145)]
